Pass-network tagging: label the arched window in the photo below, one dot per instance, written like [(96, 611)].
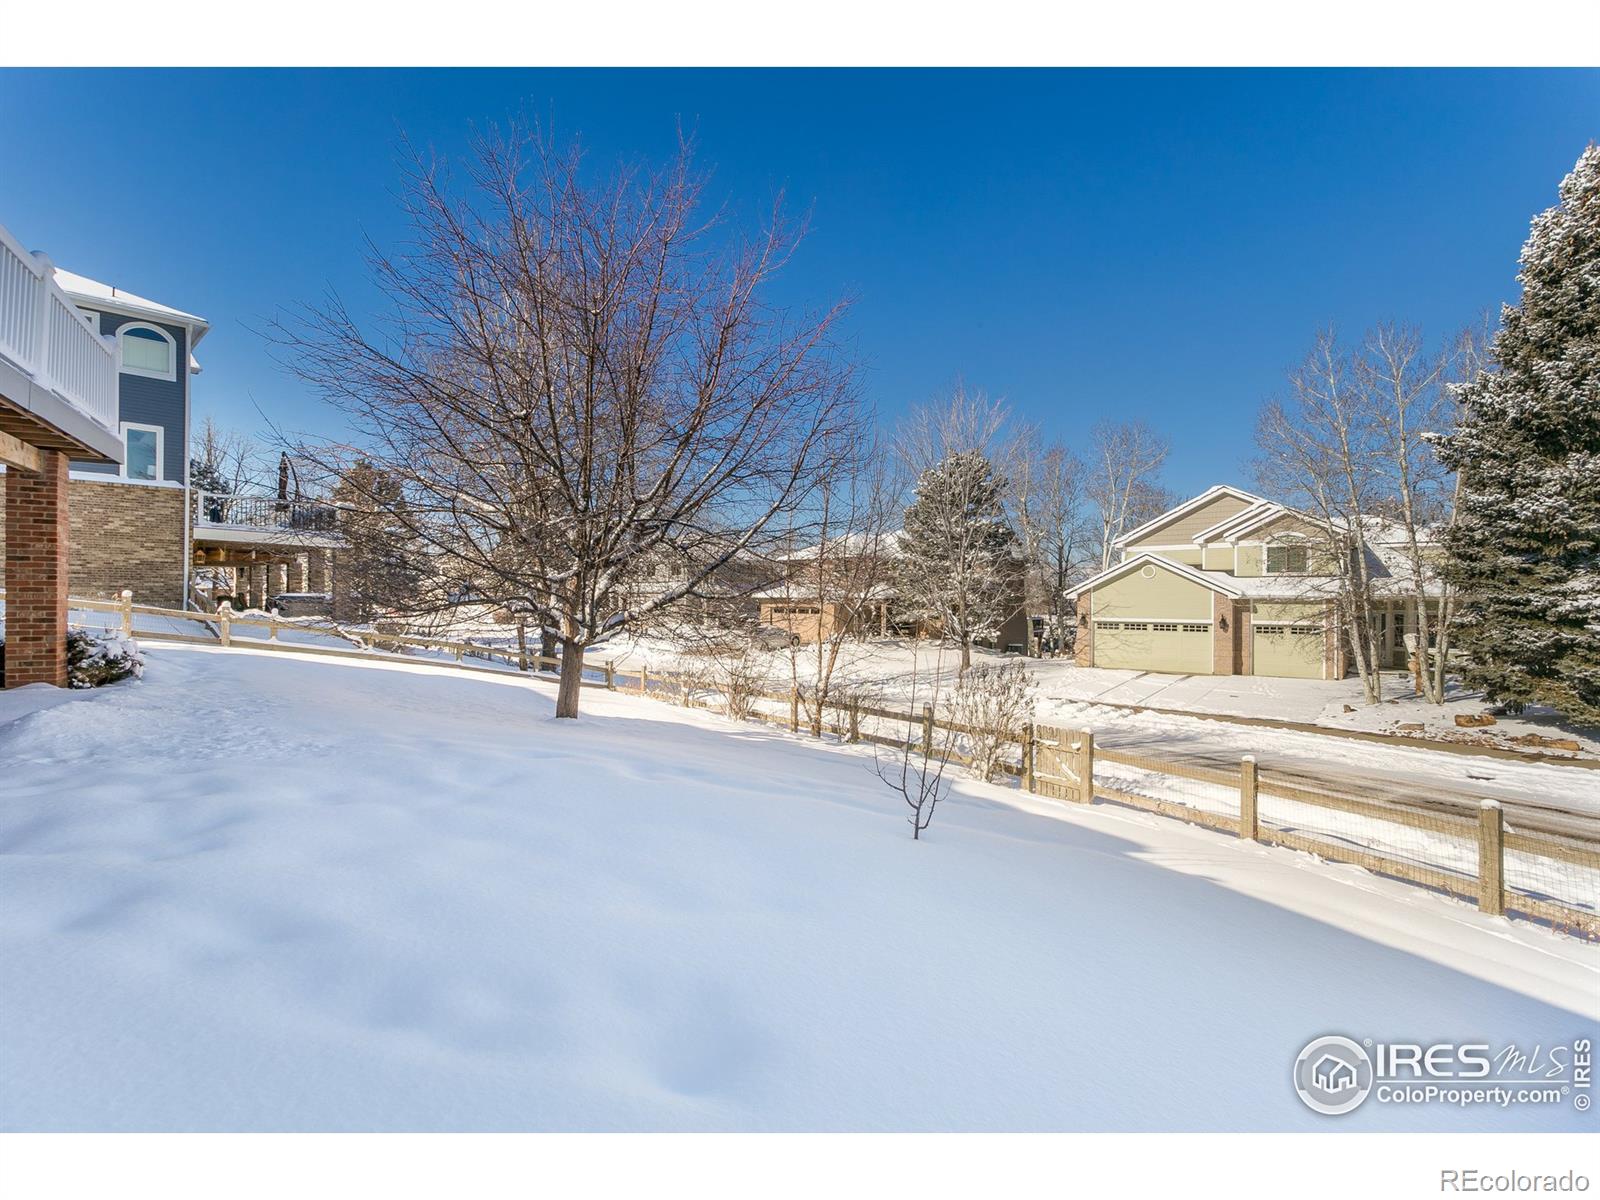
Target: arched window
[(147, 350)]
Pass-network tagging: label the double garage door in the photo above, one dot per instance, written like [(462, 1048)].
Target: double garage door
[(1288, 650), (1170, 647)]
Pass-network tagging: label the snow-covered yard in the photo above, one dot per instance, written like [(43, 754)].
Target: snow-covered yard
[(264, 891)]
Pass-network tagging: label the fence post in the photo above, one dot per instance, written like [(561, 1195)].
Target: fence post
[(224, 618), (1086, 767), (855, 722), (126, 596), (1027, 756), (611, 675), (1491, 858), (272, 626), (927, 731), (644, 679), (816, 718), (794, 709), (1248, 822)]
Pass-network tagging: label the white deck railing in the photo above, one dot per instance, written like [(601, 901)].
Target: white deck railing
[(44, 334)]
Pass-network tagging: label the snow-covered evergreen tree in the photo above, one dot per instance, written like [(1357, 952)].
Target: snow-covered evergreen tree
[(959, 564), (1525, 549)]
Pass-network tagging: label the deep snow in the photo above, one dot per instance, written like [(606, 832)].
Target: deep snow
[(265, 891)]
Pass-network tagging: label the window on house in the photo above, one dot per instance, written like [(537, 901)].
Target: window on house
[(141, 454), (146, 350), (1286, 560)]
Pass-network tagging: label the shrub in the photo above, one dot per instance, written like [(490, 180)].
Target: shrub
[(95, 658), (993, 703)]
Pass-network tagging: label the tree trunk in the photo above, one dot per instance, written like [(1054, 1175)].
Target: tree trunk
[(966, 654), (547, 643), (571, 679)]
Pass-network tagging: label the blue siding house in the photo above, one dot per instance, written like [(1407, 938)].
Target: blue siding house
[(134, 517)]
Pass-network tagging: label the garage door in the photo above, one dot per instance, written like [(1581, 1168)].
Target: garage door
[(1172, 647), (1290, 650)]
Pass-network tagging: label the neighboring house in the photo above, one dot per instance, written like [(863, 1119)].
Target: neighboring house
[(850, 593), (279, 548), (1229, 583)]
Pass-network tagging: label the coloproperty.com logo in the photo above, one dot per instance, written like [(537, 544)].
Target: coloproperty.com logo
[(1334, 1074)]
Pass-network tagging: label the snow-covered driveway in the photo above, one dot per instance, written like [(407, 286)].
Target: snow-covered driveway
[(263, 891)]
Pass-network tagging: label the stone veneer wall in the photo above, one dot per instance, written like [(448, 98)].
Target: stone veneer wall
[(125, 535)]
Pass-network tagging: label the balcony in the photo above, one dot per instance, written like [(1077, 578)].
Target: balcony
[(58, 376), (221, 517)]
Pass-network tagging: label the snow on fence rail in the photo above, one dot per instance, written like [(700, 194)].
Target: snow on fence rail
[(1546, 877)]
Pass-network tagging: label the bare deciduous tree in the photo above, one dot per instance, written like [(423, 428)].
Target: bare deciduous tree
[(579, 372), (225, 463), (1125, 458), (915, 765), (844, 575), (1056, 532), (1405, 390), (1319, 455)]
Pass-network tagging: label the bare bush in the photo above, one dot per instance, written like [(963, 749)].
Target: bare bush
[(914, 767), (741, 678), (992, 703)]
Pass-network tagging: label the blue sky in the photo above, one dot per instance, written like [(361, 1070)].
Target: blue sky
[(1151, 244)]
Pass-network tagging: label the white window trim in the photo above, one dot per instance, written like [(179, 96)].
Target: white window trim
[(172, 344), (161, 452)]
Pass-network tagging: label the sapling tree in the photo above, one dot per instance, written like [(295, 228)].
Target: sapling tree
[(914, 766)]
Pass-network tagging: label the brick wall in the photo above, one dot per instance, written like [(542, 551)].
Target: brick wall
[(1083, 647), (125, 535), (1244, 625), (1221, 639), (36, 552)]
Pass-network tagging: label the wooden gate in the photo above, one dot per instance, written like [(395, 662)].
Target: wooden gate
[(1063, 763)]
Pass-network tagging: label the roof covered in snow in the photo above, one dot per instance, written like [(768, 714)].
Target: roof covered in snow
[(104, 295)]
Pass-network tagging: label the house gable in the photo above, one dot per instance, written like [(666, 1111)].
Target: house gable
[(1178, 526)]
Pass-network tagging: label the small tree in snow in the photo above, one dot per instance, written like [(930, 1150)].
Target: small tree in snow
[(914, 766), (1525, 547)]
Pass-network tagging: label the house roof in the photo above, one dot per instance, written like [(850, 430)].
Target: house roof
[(1217, 581), (103, 295), (1388, 565), (1172, 514)]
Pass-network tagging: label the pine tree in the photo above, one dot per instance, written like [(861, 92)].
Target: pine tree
[(959, 565), (1525, 549)]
